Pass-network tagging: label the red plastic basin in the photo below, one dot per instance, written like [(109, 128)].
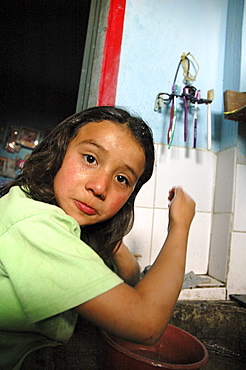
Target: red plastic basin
[(176, 349)]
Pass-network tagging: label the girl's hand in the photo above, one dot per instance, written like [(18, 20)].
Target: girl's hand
[(181, 208)]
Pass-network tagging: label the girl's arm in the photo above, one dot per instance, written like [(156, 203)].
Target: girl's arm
[(126, 264), (142, 313)]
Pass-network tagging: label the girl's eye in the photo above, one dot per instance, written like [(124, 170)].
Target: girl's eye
[(122, 179), (90, 158)]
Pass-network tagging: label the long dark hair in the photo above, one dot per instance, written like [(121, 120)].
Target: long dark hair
[(41, 167)]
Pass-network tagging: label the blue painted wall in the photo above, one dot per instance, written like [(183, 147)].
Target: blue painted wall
[(156, 33), (232, 66), (241, 142)]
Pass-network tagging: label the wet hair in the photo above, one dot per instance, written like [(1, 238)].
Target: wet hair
[(41, 167)]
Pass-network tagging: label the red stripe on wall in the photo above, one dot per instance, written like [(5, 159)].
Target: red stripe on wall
[(111, 53)]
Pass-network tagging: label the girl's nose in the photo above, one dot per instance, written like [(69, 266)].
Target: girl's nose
[(98, 186)]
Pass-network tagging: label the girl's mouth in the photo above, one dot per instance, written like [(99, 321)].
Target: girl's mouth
[(85, 208)]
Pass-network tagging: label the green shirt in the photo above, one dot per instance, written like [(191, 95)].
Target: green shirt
[(45, 271)]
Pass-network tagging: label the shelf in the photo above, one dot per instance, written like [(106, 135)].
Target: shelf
[(235, 103), (238, 115)]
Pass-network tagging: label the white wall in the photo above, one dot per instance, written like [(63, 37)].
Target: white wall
[(236, 278), (223, 213), (196, 169), (217, 241), (155, 34)]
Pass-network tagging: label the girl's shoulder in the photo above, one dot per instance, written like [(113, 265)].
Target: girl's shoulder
[(19, 208), (19, 202)]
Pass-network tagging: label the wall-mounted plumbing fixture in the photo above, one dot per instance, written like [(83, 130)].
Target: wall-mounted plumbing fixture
[(189, 95)]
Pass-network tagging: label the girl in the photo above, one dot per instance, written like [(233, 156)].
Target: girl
[(63, 220)]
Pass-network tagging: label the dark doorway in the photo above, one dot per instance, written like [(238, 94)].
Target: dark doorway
[(42, 53)]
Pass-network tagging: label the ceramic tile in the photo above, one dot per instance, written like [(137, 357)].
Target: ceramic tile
[(189, 168), (236, 280), (160, 226), (240, 200), (198, 244), (139, 238), (225, 180), (145, 197), (195, 171), (203, 294), (220, 242)]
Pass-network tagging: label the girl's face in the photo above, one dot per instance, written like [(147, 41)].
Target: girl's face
[(99, 172)]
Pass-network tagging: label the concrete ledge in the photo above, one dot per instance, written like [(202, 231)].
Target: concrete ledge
[(221, 326), (203, 294), (210, 290)]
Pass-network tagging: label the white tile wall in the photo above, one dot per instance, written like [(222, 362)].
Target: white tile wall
[(240, 200), (196, 171), (198, 244), (220, 244), (145, 197), (225, 181), (139, 238), (175, 166), (236, 281), (160, 226), (192, 169)]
